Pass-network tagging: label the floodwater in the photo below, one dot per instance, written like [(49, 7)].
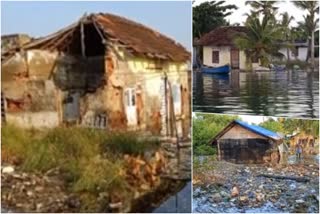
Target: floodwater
[(288, 94), (178, 203), (179, 162)]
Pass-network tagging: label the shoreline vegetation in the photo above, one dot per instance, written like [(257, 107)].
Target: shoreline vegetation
[(84, 169)]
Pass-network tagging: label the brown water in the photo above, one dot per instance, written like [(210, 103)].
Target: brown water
[(288, 94)]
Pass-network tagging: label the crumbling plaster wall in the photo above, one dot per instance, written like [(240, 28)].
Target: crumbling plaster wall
[(39, 80), (28, 90), (145, 76), (36, 82)]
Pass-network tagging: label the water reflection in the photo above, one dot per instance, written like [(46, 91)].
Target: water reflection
[(289, 94)]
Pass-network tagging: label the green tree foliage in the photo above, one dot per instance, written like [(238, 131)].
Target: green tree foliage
[(310, 21), (209, 15), (259, 40), (267, 8), (308, 126), (288, 126), (286, 31), (205, 127), (273, 125)]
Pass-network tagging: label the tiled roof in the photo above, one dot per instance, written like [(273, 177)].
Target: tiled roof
[(221, 36)]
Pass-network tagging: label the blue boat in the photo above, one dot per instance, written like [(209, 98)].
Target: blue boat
[(217, 70), (278, 68)]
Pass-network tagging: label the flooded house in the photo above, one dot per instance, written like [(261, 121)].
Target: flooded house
[(240, 142), (103, 71), (298, 50), (218, 48)]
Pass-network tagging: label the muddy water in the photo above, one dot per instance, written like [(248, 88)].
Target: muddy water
[(289, 94), (257, 194), (177, 203)]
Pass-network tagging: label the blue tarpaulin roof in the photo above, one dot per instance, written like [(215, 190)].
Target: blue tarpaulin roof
[(259, 130)]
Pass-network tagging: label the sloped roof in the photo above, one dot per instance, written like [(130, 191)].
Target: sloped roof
[(135, 37), (253, 128), (259, 130), (141, 38), (221, 36)]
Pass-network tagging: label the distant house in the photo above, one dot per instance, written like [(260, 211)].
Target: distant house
[(307, 141), (240, 142), (219, 49), (102, 71), (298, 50)]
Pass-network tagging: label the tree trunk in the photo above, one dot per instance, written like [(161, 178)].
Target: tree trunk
[(312, 50), (288, 55)]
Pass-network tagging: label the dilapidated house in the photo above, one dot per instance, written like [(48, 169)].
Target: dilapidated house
[(240, 142), (307, 141), (102, 71)]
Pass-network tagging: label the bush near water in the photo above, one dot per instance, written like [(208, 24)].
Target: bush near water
[(90, 160)]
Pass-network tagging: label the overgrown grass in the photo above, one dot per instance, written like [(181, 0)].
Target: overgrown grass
[(128, 143), (90, 159)]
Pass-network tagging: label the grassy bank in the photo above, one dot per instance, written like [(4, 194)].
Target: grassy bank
[(90, 160)]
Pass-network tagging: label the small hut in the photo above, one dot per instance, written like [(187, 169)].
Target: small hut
[(240, 142)]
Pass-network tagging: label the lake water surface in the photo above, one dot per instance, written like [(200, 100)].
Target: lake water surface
[(288, 94)]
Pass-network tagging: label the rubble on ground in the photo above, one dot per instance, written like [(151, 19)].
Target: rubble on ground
[(243, 190)]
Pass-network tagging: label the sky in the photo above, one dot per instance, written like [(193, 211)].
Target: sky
[(237, 16), (249, 118), (42, 18), (255, 119)]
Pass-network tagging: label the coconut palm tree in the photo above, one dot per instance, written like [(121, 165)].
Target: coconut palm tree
[(259, 39), (263, 7), (286, 31), (312, 7), (304, 30)]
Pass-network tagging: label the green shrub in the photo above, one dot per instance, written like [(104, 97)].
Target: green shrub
[(204, 150), (301, 64)]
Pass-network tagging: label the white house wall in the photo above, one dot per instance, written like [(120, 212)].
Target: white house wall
[(302, 53), (224, 57)]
